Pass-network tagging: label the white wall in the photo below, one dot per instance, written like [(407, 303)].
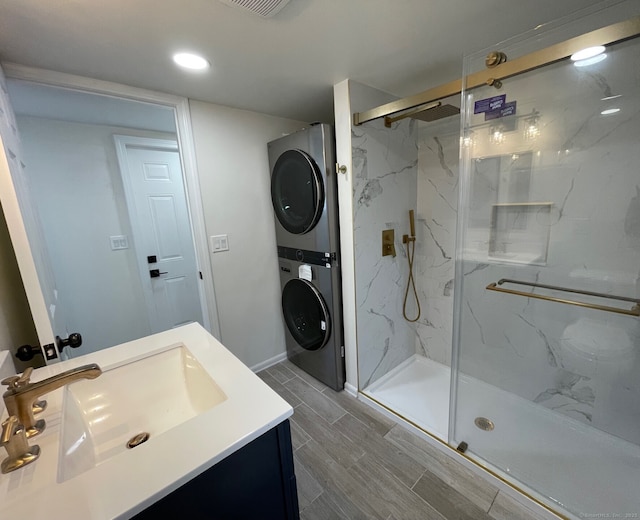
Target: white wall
[(76, 183), (231, 154), (343, 123)]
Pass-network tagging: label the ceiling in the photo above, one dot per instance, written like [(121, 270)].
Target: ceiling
[(285, 65)]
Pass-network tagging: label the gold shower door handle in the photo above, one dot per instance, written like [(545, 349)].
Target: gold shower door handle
[(634, 311)]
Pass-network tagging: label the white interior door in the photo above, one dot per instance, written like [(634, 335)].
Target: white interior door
[(163, 239), (26, 235)]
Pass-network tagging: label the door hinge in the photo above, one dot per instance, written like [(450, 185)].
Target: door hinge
[(342, 351), (201, 277)]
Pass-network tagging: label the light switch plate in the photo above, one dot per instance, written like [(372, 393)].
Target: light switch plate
[(219, 243), (119, 242)]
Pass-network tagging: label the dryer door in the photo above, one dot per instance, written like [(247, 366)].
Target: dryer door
[(306, 314), (297, 191)]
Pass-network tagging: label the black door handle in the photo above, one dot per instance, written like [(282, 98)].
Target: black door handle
[(26, 352), (74, 341), (154, 273)]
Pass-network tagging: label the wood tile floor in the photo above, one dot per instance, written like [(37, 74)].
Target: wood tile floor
[(354, 463)]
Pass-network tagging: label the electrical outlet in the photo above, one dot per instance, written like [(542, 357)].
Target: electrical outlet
[(219, 243)]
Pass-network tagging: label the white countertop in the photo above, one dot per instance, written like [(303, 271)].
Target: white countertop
[(131, 481)]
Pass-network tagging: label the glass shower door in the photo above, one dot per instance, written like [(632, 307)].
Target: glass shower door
[(546, 386)]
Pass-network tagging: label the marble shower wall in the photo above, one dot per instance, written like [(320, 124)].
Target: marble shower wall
[(413, 165), (384, 190), (580, 362), (437, 212)]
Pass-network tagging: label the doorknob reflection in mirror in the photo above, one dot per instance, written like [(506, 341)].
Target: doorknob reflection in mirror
[(74, 341), (154, 273)]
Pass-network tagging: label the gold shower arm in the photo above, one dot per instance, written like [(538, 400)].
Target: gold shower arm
[(634, 311)]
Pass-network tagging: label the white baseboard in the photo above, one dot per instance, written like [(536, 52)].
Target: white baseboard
[(350, 389), (269, 362)]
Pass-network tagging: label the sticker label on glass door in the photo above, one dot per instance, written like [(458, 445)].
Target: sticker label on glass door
[(508, 109), (488, 104)]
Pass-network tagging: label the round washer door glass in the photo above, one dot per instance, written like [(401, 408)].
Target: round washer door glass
[(297, 191), (305, 314)]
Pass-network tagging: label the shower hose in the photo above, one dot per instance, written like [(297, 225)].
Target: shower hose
[(411, 249)]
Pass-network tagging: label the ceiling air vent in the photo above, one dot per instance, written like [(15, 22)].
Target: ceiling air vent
[(264, 8)]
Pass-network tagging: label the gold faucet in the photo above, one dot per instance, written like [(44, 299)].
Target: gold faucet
[(19, 399)]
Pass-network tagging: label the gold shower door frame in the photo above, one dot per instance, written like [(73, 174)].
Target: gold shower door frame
[(609, 35), (412, 105)]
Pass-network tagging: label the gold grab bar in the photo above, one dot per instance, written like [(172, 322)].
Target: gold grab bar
[(634, 311)]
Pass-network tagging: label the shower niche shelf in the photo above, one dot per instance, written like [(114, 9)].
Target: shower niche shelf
[(519, 232)]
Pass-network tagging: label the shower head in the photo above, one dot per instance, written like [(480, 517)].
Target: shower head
[(435, 113), (430, 112)]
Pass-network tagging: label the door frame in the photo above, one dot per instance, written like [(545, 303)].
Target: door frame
[(186, 147)]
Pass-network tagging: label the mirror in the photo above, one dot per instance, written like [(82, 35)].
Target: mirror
[(106, 178)]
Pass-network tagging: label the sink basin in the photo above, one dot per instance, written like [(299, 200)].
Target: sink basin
[(150, 395)]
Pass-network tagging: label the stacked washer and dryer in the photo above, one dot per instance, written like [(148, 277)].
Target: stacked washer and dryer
[(305, 203)]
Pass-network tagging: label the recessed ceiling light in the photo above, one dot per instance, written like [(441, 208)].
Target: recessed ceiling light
[(590, 61), (589, 52), (190, 61), (610, 111)]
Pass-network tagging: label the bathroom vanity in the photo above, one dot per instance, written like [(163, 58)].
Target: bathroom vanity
[(207, 438), (256, 481)]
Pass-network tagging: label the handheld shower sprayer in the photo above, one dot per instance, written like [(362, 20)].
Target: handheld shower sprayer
[(410, 241), (412, 224)]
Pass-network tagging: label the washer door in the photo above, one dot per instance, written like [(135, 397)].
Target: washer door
[(297, 191), (306, 314)]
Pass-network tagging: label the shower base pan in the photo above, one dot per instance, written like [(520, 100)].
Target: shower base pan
[(571, 466), (417, 389)]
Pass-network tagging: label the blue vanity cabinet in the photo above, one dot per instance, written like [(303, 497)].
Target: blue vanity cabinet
[(255, 482)]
